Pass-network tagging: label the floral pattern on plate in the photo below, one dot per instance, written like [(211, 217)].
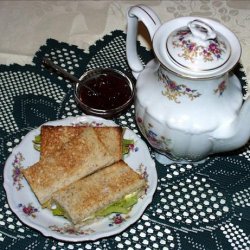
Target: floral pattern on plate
[(118, 219), (29, 209), (89, 124), (70, 229), (17, 175)]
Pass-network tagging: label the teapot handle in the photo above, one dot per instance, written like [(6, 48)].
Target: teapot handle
[(151, 21)]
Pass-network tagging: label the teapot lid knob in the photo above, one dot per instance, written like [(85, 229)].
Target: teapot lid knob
[(198, 47)]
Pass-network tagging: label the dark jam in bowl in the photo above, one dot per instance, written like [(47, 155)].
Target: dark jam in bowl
[(113, 90)]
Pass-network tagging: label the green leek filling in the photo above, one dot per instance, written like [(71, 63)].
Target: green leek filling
[(37, 142), (126, 143), (58, 211), (123, 206)]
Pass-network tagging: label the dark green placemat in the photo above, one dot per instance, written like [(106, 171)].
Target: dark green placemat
[(204, 206)]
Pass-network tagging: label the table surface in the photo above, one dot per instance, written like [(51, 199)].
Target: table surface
[(28, 24), (25, 25)]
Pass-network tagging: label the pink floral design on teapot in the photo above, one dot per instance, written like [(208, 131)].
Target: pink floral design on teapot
[(174, 90), (213, 50), (155, 140), (221, 88)]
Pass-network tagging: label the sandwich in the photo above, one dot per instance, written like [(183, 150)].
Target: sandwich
[(113, 189), (72, 161), (54, 137), (80, 174)]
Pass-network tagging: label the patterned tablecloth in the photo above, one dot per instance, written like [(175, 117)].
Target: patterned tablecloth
[(202, 206)]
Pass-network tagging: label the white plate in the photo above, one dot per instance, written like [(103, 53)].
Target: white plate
[(25, 205)]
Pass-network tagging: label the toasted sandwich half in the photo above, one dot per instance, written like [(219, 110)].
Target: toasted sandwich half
[(54, 137), (112, 189), (73, 161)]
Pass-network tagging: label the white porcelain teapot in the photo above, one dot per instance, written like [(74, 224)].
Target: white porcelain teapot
[(188, 104)]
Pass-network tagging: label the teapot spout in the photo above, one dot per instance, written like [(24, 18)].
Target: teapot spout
[(236, 134)]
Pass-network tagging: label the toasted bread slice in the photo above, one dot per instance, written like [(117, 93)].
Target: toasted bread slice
[(54, 137), (74, 160), (83, 198), (111, 137)]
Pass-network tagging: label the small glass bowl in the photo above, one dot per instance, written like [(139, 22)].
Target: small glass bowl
[(95, 79)]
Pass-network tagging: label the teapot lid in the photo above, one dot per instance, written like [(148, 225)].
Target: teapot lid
[(198, 47)]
